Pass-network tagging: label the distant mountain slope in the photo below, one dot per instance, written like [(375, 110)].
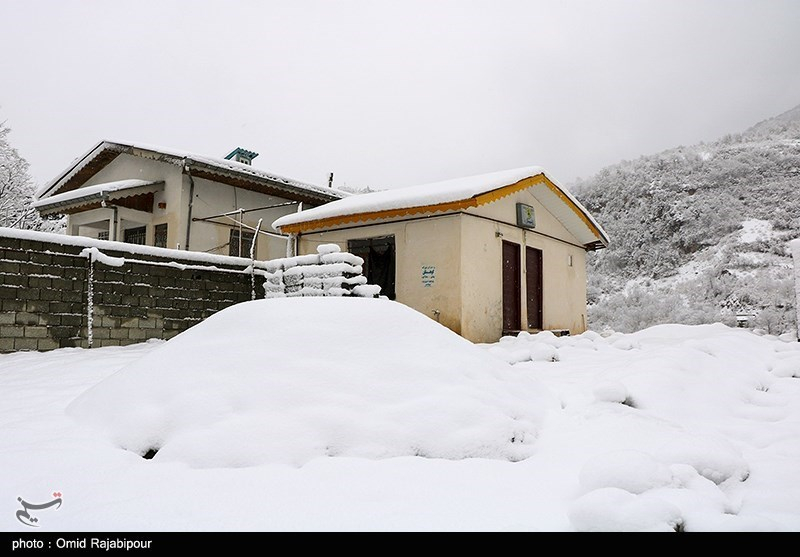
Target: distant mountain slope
[(699, 233)]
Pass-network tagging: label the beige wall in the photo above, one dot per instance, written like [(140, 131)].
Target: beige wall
[(505, 210), (212, 198), (466, 251), (563, 288), (129, 167), (432, 242)]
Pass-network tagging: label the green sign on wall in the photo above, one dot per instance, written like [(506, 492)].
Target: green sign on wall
[(525, 216)]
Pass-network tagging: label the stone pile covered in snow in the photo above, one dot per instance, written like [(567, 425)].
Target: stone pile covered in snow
[(329, 272), (287, 380)]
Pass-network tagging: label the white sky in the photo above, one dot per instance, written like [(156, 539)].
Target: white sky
[(393, 93)]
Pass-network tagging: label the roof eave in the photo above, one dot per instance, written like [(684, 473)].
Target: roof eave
[(302, 193), (474, 201), (59, 206)]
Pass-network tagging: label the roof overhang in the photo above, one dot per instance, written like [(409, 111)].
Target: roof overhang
[(98, 195), (200, 169), (563, 206), (235, 174)]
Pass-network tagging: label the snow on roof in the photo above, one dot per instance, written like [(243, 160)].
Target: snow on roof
[(91, 191), (426, 195), (184, 157)]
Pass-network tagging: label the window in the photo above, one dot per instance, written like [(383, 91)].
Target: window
[(379, 261), (234, 248), (160, 236), (136, 235), (102, 235)]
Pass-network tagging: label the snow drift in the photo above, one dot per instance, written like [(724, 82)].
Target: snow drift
[(288, 380)]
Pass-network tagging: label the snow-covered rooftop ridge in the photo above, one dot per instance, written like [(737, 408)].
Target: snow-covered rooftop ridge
[(98, 189), (427, 194), (218, 162), (413, 196), (136, 249)]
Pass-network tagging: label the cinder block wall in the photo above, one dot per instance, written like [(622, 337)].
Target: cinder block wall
[(44, 292)]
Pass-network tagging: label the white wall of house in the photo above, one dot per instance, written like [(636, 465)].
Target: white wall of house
[(212, 198), (129, 167)]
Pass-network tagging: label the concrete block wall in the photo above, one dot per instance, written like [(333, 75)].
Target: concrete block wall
[(44, 291)]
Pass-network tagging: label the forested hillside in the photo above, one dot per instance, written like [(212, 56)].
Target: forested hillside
[(699, 234)]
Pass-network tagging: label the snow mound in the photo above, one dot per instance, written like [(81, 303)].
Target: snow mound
[(615, 510), (714, 458), (789, 367), (289, 380), (610, 391), (632, 471)]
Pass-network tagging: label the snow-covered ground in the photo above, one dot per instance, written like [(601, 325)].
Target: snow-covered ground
[(383, 420)]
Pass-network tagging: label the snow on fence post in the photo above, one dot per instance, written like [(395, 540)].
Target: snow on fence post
[(90, 302), (253, 261), (795, 248), (94, 254)]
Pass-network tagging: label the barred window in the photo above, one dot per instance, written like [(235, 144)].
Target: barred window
[(246, 241), (160, 236), (136, 235)]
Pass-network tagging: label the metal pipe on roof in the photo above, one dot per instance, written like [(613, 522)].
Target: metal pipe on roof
[(237, 211), (188, 172)]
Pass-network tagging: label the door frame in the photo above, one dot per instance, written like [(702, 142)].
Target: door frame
[(533, 254), (512, 304)]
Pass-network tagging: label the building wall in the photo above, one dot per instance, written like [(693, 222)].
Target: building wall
[(212, 198), (563, 289), (564, 285), (505, 210), (433, 243), (129, 167)]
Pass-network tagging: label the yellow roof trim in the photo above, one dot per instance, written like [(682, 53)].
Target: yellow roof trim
[(459, 205), (389, 213), (571, 204)]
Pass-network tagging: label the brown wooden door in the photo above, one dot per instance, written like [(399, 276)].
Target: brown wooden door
[(533, 286), (512, 314)]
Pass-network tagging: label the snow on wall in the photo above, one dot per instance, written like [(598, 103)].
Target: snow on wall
[(81, 241), (795, 247)]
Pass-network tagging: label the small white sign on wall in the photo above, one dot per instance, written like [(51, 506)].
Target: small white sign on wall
[(428, 275)]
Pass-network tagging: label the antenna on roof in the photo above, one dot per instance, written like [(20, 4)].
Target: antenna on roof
[(330, 180)]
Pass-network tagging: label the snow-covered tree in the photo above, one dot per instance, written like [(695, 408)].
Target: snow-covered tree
[(676, 221), (17, 189)]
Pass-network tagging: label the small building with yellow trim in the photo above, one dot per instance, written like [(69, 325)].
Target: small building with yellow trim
[(485, 256)]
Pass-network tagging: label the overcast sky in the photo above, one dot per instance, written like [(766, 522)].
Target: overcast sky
[(389, 94)]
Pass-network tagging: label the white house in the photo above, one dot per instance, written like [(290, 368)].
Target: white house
[(162, 197)]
